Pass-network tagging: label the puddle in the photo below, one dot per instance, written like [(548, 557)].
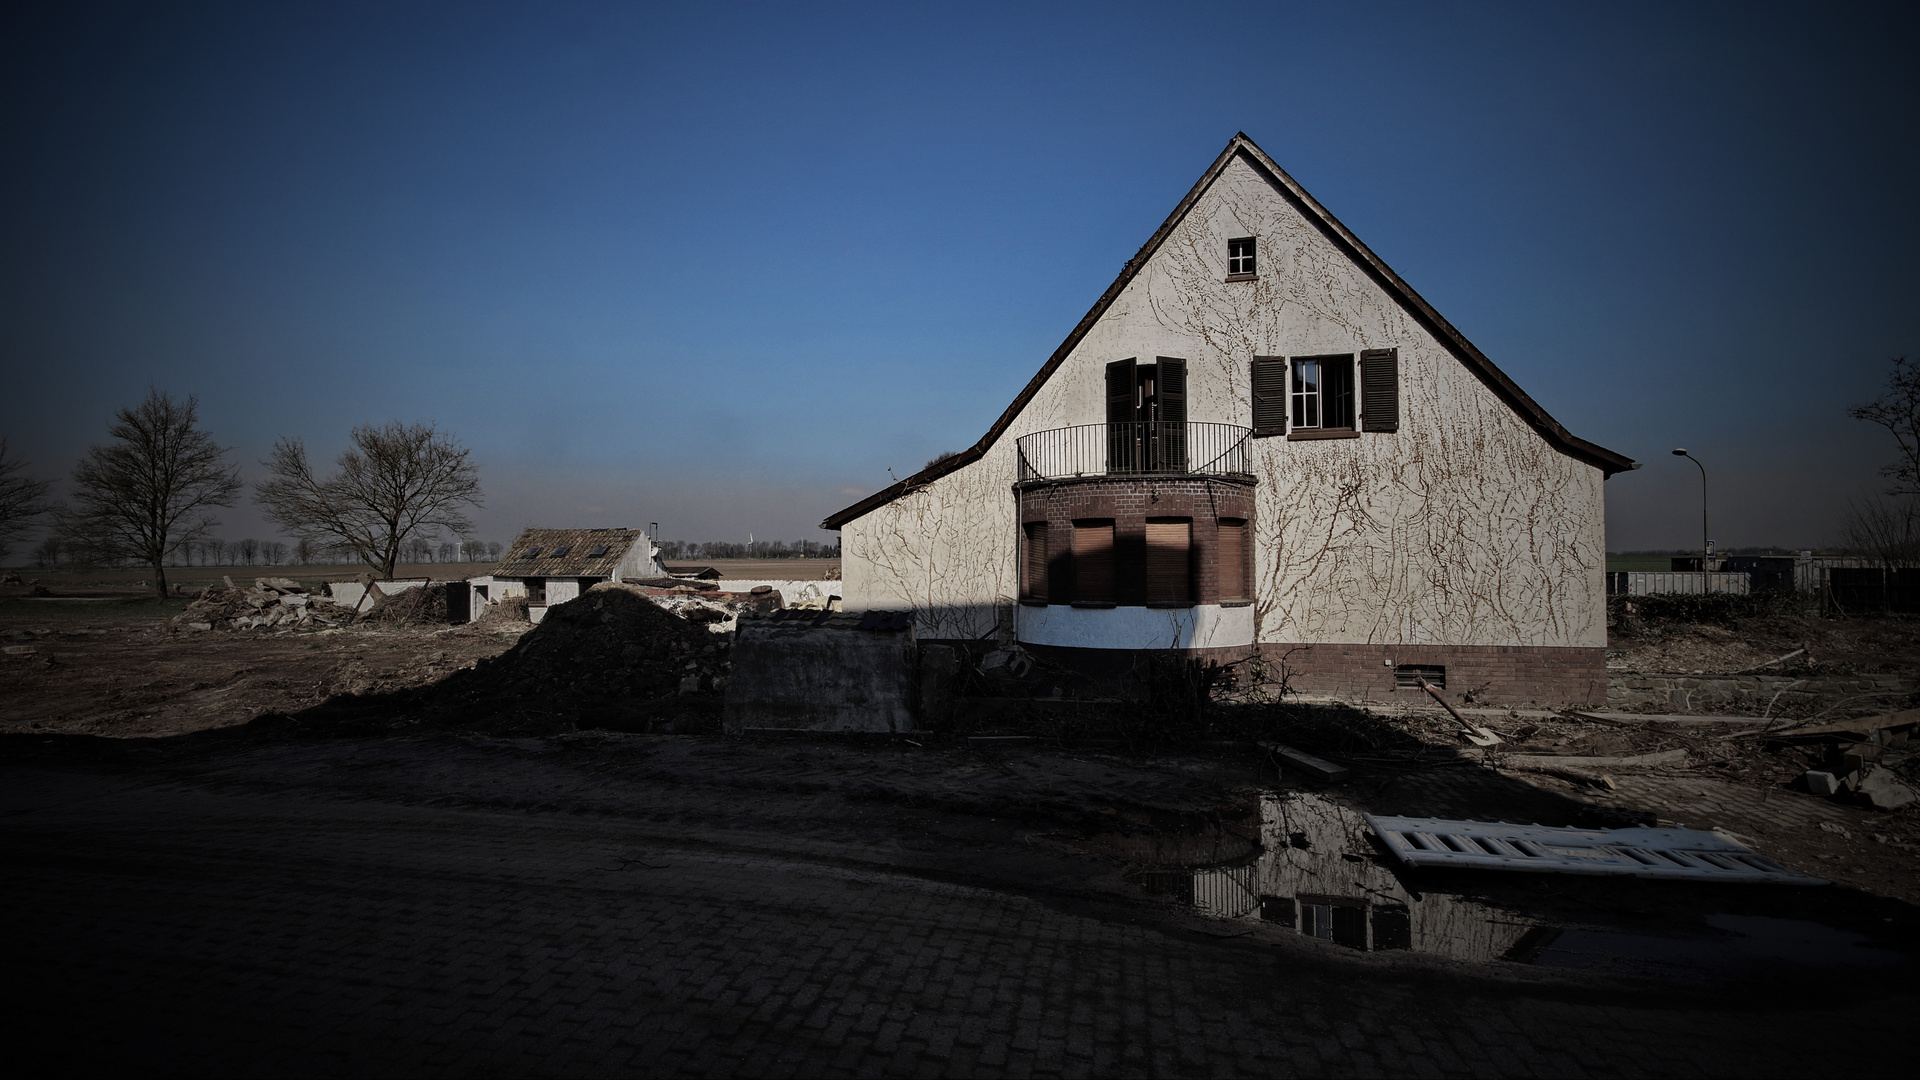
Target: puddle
[(1319, 873)]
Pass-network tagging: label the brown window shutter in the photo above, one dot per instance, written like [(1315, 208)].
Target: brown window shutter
[(1269, 394), (1033, 585), (1170, 441), (1123, 408), (1380, 390), (1122, 383), (1169, 574), (1231, 560), (1093, 562)]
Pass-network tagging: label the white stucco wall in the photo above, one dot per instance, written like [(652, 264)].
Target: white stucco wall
[(1465, 527)]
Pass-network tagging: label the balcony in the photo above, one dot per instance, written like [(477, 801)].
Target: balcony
[(1145, 448)]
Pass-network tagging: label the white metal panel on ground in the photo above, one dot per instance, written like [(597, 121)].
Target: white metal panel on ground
[(1225, 893), (1682, 854)]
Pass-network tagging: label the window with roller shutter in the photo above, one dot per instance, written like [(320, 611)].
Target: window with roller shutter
[(1033, 578), (1093, 562), (1169, 561), (1230, 560)]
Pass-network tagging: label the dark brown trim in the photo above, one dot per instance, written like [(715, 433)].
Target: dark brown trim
[(1322, 433), (1503, 387)]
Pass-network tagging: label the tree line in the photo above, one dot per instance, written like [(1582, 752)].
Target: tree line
[(54, 553), (683, 550), (146, 497)]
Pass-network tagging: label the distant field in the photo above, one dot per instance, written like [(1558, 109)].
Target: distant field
[(196, 576), (770, 569)]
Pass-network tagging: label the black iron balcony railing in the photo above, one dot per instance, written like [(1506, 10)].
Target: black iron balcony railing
[(1134, 449)]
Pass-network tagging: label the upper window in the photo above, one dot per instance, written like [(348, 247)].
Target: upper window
[(1323, 393), (561, 550), (531, 553), (1240, 257)]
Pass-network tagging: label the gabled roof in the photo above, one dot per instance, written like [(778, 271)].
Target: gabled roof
[(578, 560), (1240, 146)]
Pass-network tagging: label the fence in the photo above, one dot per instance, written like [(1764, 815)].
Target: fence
[(1656, 583), (1134, 449), (1862, 589)]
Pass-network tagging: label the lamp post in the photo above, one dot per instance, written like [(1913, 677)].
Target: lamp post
[(1706, 545)]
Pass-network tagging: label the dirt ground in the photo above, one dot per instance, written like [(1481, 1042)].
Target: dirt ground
[(1660, 635), (111, 666)]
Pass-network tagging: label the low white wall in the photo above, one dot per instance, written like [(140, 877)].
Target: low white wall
[(792, 593), (1203, 626)]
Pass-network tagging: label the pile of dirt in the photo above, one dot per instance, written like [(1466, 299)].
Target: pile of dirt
[(270, 603), (424, 605), (610, 659)]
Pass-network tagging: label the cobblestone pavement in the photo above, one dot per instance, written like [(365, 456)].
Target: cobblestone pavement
[(162, 926)]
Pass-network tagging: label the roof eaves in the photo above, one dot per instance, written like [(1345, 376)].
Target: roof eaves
[(1608, 461)]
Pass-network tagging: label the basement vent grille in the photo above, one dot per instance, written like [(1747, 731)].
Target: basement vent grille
[(1408, 676)]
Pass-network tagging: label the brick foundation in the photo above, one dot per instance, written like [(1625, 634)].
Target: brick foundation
[(1492, 674)]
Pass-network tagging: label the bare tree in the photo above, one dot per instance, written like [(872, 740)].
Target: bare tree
[(1898, 410), (417, 549), (47, 555), (448, 552), (396, 482), (149, 488), (22, 499), (273, 552), (493, 551), (247, 550), (1886, 530)]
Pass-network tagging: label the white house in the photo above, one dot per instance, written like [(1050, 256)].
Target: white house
[(1262, 440)]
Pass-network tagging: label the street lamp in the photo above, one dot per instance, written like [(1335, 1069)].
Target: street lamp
[(1706, 545)]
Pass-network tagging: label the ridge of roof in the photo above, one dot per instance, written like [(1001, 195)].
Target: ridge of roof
[(1503, 386)]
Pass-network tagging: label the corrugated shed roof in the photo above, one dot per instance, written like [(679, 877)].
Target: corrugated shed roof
[(567, 552)]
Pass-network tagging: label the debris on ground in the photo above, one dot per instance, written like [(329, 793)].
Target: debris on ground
[(270, 603), (422, 605)]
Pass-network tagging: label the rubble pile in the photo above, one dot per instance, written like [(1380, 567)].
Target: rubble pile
[(609, 659), (423, 605), (270, 603)]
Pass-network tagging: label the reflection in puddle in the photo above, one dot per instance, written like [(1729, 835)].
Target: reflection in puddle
[(1320, 875)]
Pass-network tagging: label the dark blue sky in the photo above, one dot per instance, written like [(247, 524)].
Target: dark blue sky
[(722, 267)]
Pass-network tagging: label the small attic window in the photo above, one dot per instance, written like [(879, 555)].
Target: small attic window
[(531, 553), (561, 550), (1240, 257), (598, 551)]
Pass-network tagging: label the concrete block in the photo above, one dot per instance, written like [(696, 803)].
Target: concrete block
[(1822, 783), (823, 673)]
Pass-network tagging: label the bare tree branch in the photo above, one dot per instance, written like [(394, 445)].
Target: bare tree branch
[(22, 498), (398, 482), (148, 490), (1898, 410)]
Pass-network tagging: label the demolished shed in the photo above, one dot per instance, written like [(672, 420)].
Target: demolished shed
[(553, 566)]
